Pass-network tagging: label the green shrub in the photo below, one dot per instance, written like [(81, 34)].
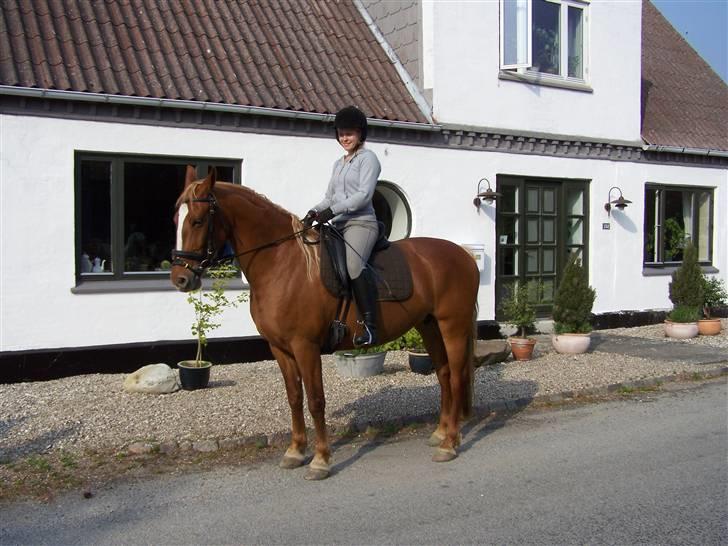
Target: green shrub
[(518, 308), (714, 294), (686, 288), (574, 300), (684, 313)]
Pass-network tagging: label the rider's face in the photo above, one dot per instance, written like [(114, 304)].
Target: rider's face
[(350, 139)]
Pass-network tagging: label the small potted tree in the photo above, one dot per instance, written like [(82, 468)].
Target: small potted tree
[(519, 311), (573, 304), (714, 295), (686, 294), (207, 304)]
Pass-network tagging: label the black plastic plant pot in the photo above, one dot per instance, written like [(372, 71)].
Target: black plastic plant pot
[(420, 363), (193, 377)]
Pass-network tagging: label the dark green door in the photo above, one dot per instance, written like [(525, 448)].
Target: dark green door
[(539, 222)]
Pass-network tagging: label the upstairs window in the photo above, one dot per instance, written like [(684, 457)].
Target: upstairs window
[(675, 215), (544, 37)]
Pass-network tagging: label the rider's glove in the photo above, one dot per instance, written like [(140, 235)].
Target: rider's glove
[(324, 216), (309, 218)]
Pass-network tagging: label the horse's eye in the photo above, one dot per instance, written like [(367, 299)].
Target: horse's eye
[(197, 223)]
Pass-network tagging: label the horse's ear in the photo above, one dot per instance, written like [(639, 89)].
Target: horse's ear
[(210, 179), (190, 175)]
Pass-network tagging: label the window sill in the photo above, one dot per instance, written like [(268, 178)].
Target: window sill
[(142, 285), (648, 271), (548, 81)]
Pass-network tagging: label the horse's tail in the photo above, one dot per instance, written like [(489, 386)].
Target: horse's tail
[(469, 369)]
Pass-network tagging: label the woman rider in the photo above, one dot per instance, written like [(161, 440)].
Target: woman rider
[(348, 204)]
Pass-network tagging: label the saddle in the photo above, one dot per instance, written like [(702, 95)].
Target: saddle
[(391, 270)]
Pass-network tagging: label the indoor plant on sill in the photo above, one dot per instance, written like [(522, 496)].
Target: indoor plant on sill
[(714, 295), (363, 362), (686, 294), (520, 312), (207, 306), (573, 304)]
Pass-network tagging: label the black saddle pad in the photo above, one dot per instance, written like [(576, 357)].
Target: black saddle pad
[(394, 278)]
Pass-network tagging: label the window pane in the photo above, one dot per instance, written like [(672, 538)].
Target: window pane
[(532, 230), (548, 230), (575, 201), (95, 217), (150, 192), (546, 37), (509, 235), (703, 212), (547, 290), (549, 201), (677, 217), (532, 200), (515, 27), (532, 260), (575, 231), (509, 261), (548, 260), (509, 201), (652, 208), (576, 42), (224, 173)]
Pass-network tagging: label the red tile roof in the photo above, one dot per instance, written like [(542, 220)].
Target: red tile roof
[(301, 55), (684, 102)]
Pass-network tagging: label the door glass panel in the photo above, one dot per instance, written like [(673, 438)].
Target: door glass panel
[(532, 261), (548, 260), (549, 201), (575, 231), (575, 201), (532, 230), (547, 290), (509, 234), (509, 261), (548, 230), (532, 200), (509, 201)]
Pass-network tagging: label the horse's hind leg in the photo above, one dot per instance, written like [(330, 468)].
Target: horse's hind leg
[(296, 452)]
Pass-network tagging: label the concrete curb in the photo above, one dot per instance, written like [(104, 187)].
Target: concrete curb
[(372, 427)]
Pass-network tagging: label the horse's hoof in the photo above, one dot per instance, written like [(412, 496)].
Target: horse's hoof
[(290, 462), (443, 455), (315, 474), (435, 439)]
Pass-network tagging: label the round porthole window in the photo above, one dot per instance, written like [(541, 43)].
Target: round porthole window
[(392, 209)]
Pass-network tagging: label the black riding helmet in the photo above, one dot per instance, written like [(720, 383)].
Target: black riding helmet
[(350, 117)]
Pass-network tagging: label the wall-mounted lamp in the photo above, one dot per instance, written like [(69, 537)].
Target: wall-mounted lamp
[(488, 195), (619, 203)]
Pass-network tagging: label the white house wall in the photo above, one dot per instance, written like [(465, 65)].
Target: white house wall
[(468, 90), (37, 182)]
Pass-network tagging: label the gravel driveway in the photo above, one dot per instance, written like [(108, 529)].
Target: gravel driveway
[(245, 400)]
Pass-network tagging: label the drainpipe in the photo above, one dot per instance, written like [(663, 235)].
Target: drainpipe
[(199, 105)]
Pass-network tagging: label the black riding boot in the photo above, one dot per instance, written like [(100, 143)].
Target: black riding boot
[(365, 294)]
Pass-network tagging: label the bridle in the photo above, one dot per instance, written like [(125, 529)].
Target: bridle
[(210, 259), (204, 261)]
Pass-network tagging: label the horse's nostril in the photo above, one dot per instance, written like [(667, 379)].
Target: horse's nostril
[(181, 282)]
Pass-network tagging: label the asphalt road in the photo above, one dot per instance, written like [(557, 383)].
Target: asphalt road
[(651, 469)]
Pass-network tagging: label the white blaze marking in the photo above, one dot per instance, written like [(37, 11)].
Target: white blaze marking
[(183, 210)]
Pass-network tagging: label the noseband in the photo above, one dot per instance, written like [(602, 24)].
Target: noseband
[(180, 257)]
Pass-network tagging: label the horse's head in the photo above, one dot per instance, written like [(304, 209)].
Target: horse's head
[(199, 231)]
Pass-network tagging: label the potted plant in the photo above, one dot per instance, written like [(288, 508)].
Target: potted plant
[(419, 360), (363, 362), (207, 304), (573, 304), (686, 294), (518, 310), (714, 295)]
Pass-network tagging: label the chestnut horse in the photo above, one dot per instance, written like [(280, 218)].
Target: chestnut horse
[(293, 310)]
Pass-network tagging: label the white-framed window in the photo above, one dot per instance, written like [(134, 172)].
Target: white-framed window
[(545, 37)]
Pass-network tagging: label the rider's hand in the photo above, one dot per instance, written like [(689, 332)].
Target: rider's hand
[(309, 218), (324, 216)]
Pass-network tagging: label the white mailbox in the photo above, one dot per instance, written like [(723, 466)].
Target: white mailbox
[(478, 253)]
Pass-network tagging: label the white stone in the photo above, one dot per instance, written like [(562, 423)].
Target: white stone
[(154, 378)]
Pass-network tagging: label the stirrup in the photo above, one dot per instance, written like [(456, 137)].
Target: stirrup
[(367, 333)]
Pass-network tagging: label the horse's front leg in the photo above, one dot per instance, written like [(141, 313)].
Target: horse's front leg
[(308, 357), (296, 452)]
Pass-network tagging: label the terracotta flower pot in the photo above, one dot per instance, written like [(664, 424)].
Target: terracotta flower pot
[(522, 348), (571, 344), (681, 330), (709, 327)]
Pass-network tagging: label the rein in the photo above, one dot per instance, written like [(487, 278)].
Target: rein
[(210, 259)]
